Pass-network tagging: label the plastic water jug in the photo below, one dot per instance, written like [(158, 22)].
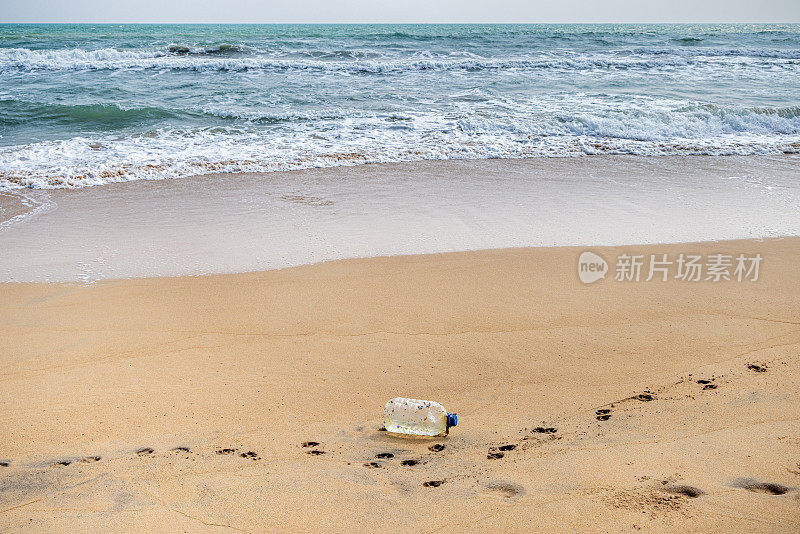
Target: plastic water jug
[(417, 417)]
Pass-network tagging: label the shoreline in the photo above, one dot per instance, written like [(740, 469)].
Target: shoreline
[(721, 246), (144, 385), (251, 222), (777, 156)]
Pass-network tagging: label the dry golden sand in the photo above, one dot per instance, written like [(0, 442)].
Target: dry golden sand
[(120, 400)]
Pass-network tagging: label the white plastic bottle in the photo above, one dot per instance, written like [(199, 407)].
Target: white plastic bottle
[(417, 417)]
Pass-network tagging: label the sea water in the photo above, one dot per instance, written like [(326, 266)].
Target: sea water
[(87, 105)]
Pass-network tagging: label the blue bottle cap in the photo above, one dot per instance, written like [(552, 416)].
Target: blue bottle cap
[(452, 420)]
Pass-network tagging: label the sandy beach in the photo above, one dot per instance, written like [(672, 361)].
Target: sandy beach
[(231, 232), (252, 402)]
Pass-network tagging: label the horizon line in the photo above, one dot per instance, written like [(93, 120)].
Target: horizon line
[(401, 23)]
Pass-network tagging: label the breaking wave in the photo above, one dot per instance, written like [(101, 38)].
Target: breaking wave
[(235, 58), (271, 142)]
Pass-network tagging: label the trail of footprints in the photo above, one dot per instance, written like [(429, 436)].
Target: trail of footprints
[(541, 435), (316, 450), (146, 452), (536, 436), (605, 413)]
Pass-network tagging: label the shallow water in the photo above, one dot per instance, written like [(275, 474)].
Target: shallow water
[(227, 223)]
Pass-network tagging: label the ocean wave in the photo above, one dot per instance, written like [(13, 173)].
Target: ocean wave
[(145, 165), (339, 54), (789, 112), (699, 123), (14, 112), (715, 52), (221, 50), (178, 57), (558, 114), (688, 40), (359, 138)]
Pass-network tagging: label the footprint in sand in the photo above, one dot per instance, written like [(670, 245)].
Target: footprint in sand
[(436, 448), (545, 430), (644, 397), (763, 487), (145, 451), (372, 465), (181, 449), (62, 463), (90, 459), (707, 384), (494, 454), (249, 455), (433, 483), (409, 463), (384, 455), (603, 414), (315, 452), (5, 464), (687, 491), (506, 490), (756, 368)]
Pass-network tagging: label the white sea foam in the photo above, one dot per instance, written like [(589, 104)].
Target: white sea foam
[(24, 59), (334, 138), (30, 208)]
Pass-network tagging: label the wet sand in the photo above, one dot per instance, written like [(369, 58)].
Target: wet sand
[(252, 402), (241, 223)]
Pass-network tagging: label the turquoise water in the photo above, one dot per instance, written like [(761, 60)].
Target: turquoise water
[(93, 104)]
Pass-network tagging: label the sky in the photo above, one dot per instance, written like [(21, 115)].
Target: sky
[(405, 11)]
